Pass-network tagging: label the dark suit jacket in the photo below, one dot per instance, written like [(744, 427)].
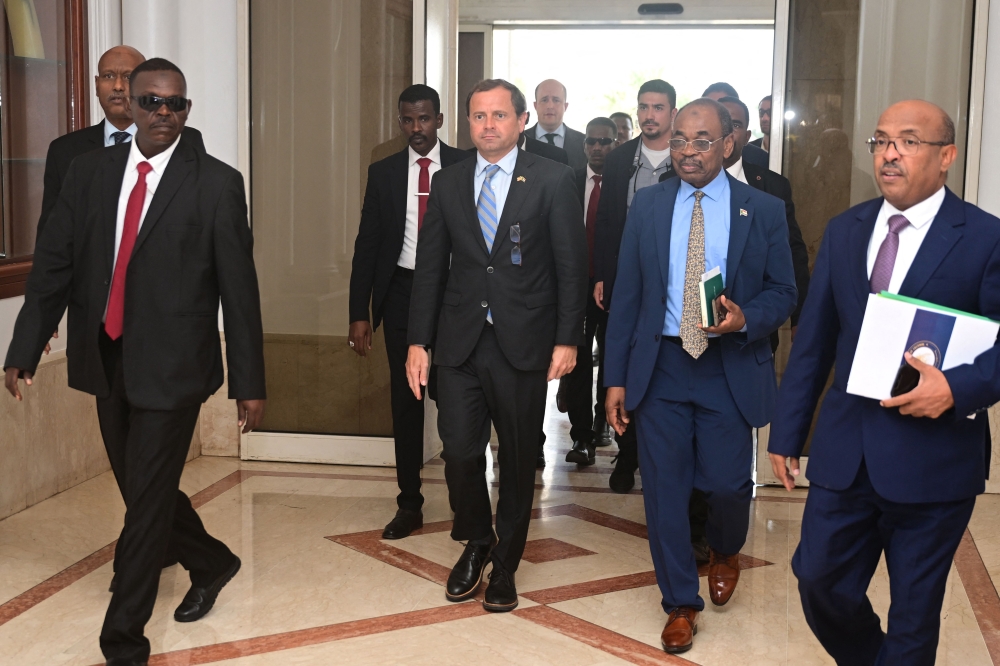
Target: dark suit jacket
[(759, 277), (908, 459), (572, 145), (194, 247), (758, 142), (756, 156), (777, 185), (536, 305), (383, 225), (65, 149), (611, 213)]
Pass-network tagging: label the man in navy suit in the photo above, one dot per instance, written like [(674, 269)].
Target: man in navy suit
[(900, 475), (697, 392)]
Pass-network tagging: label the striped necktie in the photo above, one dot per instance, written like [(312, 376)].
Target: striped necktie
[(486, 208)]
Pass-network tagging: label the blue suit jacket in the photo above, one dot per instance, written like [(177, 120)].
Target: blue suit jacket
[(760, 279), (908, 459)]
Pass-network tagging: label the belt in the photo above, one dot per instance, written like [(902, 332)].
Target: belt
[(680, 343), (404, 272)]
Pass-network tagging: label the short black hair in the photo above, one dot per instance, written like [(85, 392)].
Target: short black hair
[(766, 99), (721, 87), (659, 86), (156, 65), (516, 96), (725, 119), (418, 92), (738, 102), (622, 114), (604, 122), (949, 128)]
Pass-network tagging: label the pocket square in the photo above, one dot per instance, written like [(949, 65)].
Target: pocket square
[(521, 179)]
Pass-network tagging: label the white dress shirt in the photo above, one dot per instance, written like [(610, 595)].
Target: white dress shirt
[(559, 138), (588, 189), (920, 217), (408, 257), (110, 129), (736, 171)]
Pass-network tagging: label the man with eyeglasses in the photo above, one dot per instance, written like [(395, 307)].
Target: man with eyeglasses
[(638, 163), (697, 391), (143, 288), (500, 290), (588, 427), (764, 115), (898, 476)]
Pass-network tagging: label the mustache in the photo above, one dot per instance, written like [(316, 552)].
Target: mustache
[(892, 166), (693, 161), (418, 135)]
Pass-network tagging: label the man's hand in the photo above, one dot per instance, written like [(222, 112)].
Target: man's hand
[(563, 361), (781, 470), (931, 398), (360, 337), (48, 345), (614, 409), (417, 367), (250, 413), (10, 381), (733, 322), (599, 294)]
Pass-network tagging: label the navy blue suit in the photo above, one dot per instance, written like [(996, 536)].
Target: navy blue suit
[(694, 417), (881, 480)]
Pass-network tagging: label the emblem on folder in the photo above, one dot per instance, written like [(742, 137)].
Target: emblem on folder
[(521, 179), (743, 212)]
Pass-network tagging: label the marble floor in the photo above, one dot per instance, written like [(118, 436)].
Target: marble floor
[(319, 586)]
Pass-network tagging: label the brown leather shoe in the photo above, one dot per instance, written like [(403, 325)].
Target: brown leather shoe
[(678, 634), (723, 574)]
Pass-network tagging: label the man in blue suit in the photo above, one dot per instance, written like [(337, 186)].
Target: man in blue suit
[(697, 392), (898, 476)]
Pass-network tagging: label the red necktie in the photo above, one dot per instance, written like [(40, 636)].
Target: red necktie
[(595, 197), (114, 321), (424, 187)]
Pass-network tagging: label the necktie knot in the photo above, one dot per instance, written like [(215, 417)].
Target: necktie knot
[(424, 162), (698, 196), (491, 171), (143, 168), (597, 179), (120, 137), (551, 137), (897, 223)]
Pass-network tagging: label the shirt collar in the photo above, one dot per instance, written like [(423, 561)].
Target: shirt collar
[(736, 170), (540, 131), (110, 129), (506, 163), (918, 214), (434, 155), (715, 190), (158, 162), (591, 173)]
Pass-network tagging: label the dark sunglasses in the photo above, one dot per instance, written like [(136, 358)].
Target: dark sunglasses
[(153, 103), (604, 141), (515, 237)]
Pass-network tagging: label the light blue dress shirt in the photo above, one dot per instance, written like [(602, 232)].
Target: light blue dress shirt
[(559, 138), (109, 129), (500, 181), (715, 205)]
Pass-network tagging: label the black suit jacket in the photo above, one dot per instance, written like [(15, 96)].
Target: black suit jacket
[(194, 247), (383, 225), (536, 305), (572, 145), (63, 150), (777, 185), (758, 142)]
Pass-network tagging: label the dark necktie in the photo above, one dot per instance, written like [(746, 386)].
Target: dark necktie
[(121, 137), (115, 319), (551, 138), (885, 260), (595, 197), (423, 190)]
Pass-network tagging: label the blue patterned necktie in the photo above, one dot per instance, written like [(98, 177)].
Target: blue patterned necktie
[(121, 137), (486, 210)]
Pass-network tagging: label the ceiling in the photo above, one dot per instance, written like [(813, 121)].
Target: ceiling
[(612, 11)]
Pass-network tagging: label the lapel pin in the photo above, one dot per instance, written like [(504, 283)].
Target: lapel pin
[(521, 179), (758, 177), (743, 212)]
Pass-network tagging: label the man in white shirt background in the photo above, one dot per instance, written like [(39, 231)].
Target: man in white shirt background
[(551, 105)]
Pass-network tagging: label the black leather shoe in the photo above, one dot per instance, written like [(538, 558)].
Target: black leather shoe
[(623, 477), (582, 453), (199, 600), (467, 574), (603, 434), (403, 524), (501, 595)]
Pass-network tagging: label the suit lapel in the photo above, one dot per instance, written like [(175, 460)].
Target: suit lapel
[(117, 160), (663, 220), (516, 194), (467, 202), (180, 166), (859, 238), (399, 184), (740, 219), (945, 231)]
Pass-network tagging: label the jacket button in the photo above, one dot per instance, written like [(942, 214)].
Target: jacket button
[(107, 282), (484, 304), (489, 269), (657, 337), (663, 300)]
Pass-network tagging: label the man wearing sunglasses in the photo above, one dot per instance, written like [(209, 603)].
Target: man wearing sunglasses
[(764, 115), (697, 391), (900, 476), (145, 240)]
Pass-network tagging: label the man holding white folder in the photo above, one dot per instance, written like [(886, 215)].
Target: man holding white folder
[(898, 475)]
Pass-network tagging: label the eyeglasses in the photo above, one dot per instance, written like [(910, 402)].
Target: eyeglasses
[(905, 146), (604, 141), (701, 145), (152, 103), (515, 237)]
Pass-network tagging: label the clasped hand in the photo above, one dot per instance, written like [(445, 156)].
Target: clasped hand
[(733, 322)]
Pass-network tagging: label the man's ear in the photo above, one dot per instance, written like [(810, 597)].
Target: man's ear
[(440, 120)]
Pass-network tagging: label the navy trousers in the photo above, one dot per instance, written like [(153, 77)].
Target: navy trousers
[(844, 533), (692, 435)]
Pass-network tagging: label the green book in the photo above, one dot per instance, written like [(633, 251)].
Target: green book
[(710, 289)]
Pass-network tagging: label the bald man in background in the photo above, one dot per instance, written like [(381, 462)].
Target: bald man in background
[(551, 105)]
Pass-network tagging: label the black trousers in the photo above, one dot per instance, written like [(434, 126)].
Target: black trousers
[(483, 389), (407, 411), (147, 450), (583, 411)]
